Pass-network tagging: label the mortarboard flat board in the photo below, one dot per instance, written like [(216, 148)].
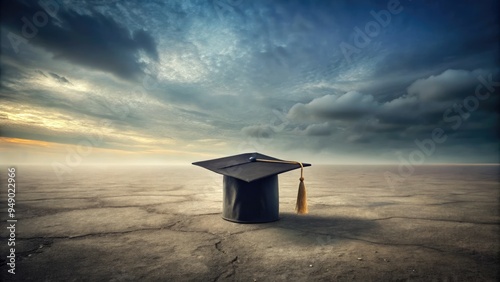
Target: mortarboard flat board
[(250, 186)]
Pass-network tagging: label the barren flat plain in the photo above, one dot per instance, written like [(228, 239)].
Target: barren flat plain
[(163, 223)]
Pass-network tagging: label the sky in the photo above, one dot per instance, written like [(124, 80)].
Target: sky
[(343, 82)]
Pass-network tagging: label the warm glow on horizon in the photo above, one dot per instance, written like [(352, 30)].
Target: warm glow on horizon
[(19, 141)]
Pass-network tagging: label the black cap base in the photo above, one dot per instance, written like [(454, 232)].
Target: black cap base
[(254, 202)]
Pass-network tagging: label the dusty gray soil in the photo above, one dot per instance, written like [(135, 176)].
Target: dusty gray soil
[(106, 225)]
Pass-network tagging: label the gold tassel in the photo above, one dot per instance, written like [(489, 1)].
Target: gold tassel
[(301, 206)]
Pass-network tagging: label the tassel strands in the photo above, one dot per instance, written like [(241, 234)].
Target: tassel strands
[(301, 206)]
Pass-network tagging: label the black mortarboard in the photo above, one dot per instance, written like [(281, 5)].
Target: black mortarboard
[(250, 187)]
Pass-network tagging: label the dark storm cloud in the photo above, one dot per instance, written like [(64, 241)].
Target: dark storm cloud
[(428, 103), (58, 78), (351, 105), (92, 40), (422, 97)]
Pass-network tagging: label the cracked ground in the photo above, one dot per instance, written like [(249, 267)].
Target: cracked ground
[(162, 223)]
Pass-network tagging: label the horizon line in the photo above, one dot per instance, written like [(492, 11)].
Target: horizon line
[(189, 163)]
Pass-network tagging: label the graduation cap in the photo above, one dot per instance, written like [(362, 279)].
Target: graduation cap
[(250, 186)]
